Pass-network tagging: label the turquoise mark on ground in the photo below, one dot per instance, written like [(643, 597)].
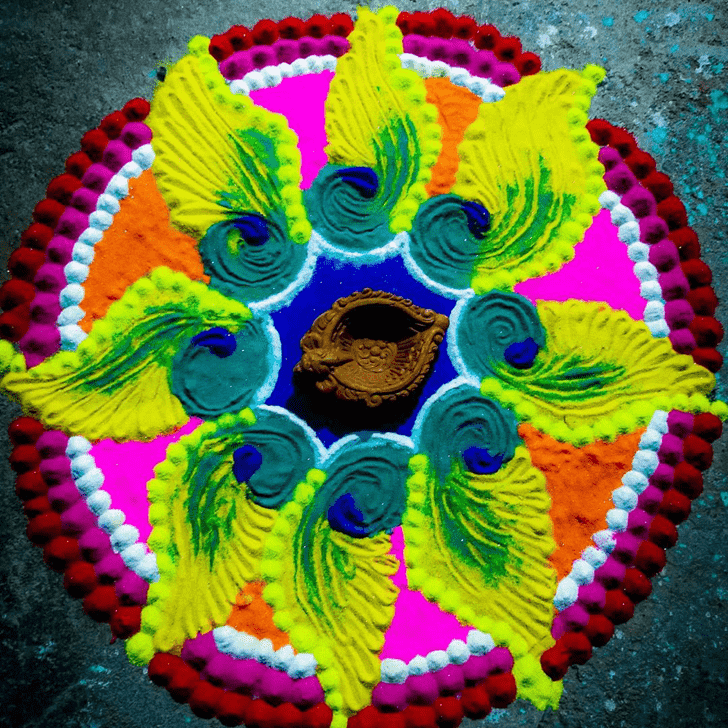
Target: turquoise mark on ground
[(608, 22), (659, 135), (663, 77), (675, 48), (706, 143), (718, 102), (641, 15)]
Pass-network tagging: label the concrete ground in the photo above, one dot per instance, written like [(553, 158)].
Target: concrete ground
[(65, 64)]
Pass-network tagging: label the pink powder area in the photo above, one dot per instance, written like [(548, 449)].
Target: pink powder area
[(128, 466), (301, 99), (419, 626), (600, 271)]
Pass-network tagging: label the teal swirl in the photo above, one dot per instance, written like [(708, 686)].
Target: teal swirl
[(443, 242), (209, 385), (288, 454), (343, 215), (374, 473), (350, 209), (489, 324), (247, 269), (460, 419)]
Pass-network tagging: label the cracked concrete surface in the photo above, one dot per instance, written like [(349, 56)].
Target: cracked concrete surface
[(65, 64)]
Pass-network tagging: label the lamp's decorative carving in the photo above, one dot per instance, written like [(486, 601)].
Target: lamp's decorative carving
[(372, 346)]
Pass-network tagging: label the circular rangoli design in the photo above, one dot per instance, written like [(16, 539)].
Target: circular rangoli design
[(365, 379)]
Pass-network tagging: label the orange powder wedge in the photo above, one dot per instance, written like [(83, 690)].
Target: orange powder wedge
[(139, 240), (252, 614), (457, 108), (580, 481)]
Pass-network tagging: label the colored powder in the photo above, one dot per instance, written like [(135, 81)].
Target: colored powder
[(580, 482), (457, 108), (128, 467), (139, 240), (600, 271), (302, 101), (252, 614), (419, 626)]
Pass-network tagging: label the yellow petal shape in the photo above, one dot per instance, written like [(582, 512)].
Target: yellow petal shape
[(478, 545), (218, 155), (117, 383), (599, 372), (530, 162), (374, 108), (208, 535), (333, 594)]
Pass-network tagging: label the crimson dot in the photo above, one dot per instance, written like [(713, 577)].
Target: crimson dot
[(126, 621), (650, 559), (476, 702), (555, 662), (47, 212), (636, 585), (449, 712), (78, 163), (599, 630), (30, 485), (486, 37), (291, 28), (204, 698), (44, 527), (423, 24), (231, 709), (528, 64), (317, 26), (341, 24), (136, 109), (61, 552), (25, 431), (618, 608), (101, 603), (697, 452), (24, 458), (703, 300), (464, 27), (35, 506), (420, 716), (659, 185), (93, 143), (507, 49), (444, 22), (501, 688), (113, 124), (220, 47), (641, 163), (663, 532), (265, 32), (80, 579), (709, 358), (600, 131)]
